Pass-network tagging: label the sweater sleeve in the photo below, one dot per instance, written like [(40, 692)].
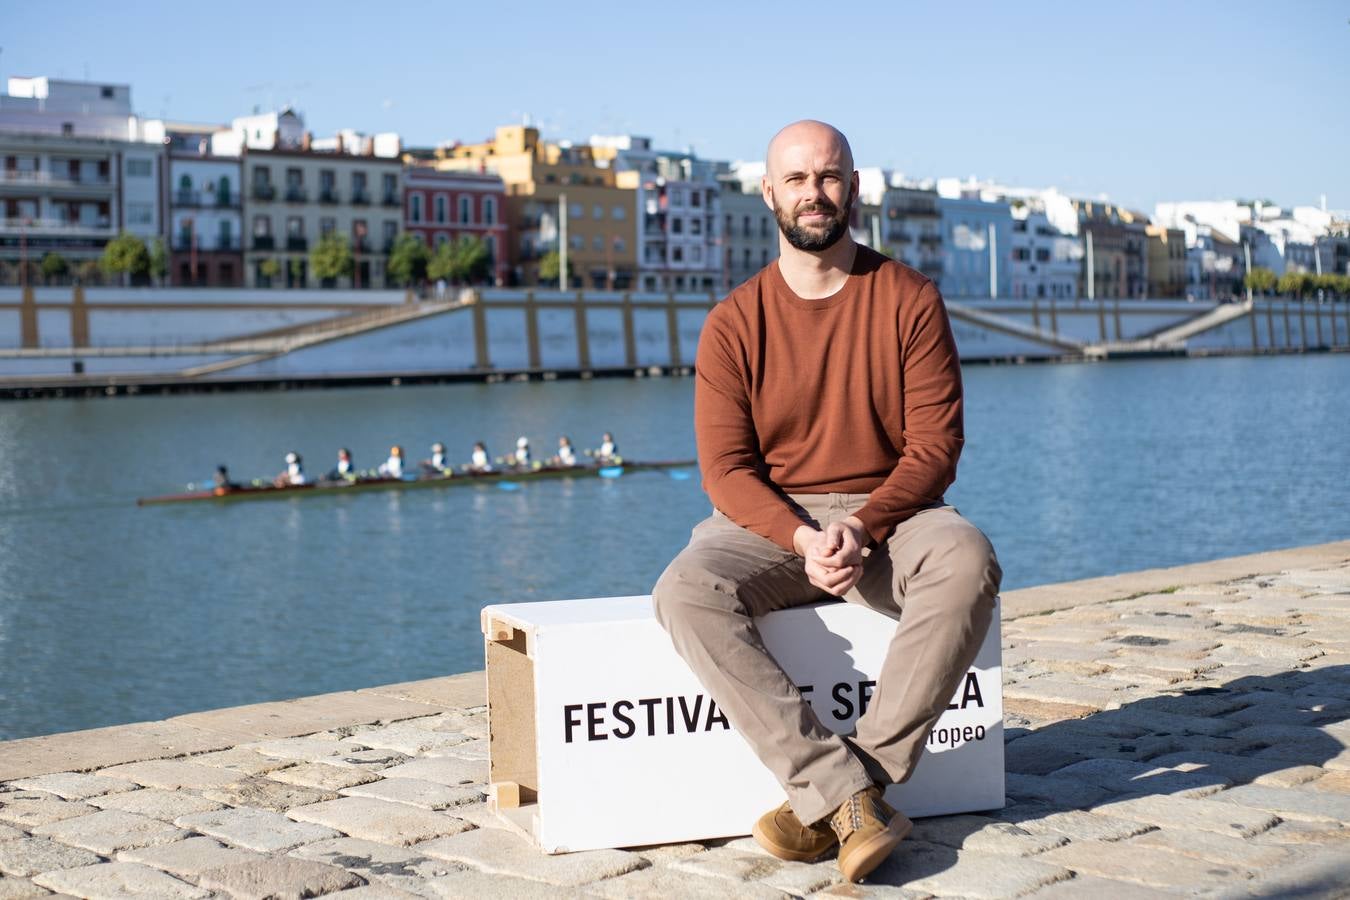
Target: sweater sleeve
[(728, 447), (933, 430)]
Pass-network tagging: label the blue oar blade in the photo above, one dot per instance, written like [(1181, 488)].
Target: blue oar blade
[(610, 472), (679, 474), (508, 485)]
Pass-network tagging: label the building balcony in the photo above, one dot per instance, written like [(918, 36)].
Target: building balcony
[(360, 198), (329, 196), (297, 244), (183, 244), (263, 242), (296, 194), (913, 208), (204, 199), (264, 192), (98, 227), (898, 234), (392, 200)]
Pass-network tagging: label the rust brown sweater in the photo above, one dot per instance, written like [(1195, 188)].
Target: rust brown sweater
[(856, 393)]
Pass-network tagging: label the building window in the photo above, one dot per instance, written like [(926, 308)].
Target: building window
[(490, 241), (577, 211), (677, 225), (598, 244), (140, 214), (416, 207), (295, 227), (763, 258), (618, 213), (262, 176), (598, 213), (390, 187), (327, 225), (695, 226), (696, 254), (677, 254), (465, 208), (578, 242), (442, 238), (695, 198), (489, 210), (390, 232), (442, 208), (138, 168), (262, 226), (763, 227)]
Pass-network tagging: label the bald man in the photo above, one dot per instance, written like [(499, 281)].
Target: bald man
[(827, 410)]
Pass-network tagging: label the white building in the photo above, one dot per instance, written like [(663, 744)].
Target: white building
[(977, 245), (1045, 262), (78, 169)]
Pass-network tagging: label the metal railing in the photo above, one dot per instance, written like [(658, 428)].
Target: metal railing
[(264, 192)]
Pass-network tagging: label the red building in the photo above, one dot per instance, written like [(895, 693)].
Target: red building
[(443, 206)]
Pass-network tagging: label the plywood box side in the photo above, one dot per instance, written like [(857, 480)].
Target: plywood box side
[(511, 716)]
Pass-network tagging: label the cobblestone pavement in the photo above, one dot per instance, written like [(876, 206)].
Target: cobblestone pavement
[(1191, 742)]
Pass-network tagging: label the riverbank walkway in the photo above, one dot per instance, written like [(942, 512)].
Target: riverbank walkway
[(1178, 731)]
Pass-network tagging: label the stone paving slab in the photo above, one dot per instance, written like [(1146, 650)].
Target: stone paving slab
[(260, 830), (379, 820), (278, 877), (33, 855), (190, 858), (156, 803), (20, 889), (119, 879), (107, 831), (492, 850), (75, 785)]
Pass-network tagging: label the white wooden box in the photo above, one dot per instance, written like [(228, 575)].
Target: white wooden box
[(602, 737)]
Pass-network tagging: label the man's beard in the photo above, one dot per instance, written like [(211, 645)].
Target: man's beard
[(813, 240)]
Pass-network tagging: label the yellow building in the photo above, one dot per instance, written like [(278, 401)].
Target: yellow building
[(1166, 261), (602, 220)]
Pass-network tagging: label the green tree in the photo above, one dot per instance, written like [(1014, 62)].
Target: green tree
[(269, 268), (464, 261), (1294, 284), (331, 258), (53, 266), (159, 260), (1343, 286), (550, 267), (1260, 280), (297, 270), (126, 255), (408, 260)]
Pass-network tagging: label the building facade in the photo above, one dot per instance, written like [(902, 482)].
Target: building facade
[(1167, 272), (540, 177), (749, 234), (912, 231), (441, 207), (1044, 262), (1116, 243), (977, 243), (295, 197), (205, 221)]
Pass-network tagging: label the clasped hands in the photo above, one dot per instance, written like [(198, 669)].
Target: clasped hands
[(834, 561)]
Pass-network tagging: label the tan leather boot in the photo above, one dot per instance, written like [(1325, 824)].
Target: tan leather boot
[(780, 832), (868, 830)]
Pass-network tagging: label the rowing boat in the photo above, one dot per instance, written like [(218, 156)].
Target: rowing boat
[(506, 477)]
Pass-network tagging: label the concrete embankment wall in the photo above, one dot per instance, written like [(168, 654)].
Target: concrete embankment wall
[(108, 336)]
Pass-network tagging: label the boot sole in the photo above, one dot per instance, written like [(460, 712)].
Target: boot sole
[(787, 853), (862, 861)]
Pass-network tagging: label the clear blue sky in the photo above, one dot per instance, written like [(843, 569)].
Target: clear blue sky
[(1144, 100)]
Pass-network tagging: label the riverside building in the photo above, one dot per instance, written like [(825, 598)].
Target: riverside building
[(444, 206), (77, 171), (299, 190), (539, 178)]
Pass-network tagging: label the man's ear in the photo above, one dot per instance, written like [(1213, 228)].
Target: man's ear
[(766, 191)]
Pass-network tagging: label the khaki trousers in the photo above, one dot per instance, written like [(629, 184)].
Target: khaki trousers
[(937, 575)]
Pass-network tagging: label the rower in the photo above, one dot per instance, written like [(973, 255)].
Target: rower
[(431, 468), (479, 461), (294, 474), (393, 466), (566, 455), (223, 484), (608, 449), (344, 471), (522, 456)]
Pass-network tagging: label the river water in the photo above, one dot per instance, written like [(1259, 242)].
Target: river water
[(111, 613)]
